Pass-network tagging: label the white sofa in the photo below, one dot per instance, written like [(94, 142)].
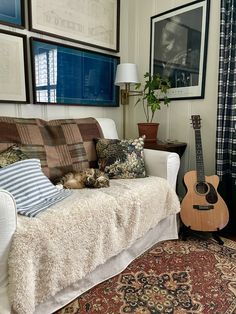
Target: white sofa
[(158, 163)]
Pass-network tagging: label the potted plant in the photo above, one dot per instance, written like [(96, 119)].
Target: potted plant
[(153, 95)]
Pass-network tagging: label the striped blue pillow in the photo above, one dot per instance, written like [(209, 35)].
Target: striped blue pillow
[(32, 190)]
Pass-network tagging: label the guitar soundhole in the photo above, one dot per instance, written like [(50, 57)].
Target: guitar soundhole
[(202, 188), (212, 196)]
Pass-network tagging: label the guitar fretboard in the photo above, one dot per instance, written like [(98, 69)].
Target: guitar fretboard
[(199, 157)]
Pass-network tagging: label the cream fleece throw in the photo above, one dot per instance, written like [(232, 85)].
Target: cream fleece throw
[(70, 239)]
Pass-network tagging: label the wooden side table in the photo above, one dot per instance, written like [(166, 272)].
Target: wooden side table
[(176, 147)]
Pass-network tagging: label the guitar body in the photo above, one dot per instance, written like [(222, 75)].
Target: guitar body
[(202, 208)]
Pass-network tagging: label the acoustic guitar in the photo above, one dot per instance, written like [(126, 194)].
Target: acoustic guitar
[(202, 208)]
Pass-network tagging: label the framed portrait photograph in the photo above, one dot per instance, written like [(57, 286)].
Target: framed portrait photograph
[(94, 23), (13, 72), (12, 13), (68, 75), (179, 48)]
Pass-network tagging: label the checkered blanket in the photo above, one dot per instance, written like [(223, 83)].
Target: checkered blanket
[(61, 145)]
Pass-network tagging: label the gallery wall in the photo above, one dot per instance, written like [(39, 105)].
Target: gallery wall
[(48, 112)]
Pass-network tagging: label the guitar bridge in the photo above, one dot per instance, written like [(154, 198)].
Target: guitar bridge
[(203, 207)]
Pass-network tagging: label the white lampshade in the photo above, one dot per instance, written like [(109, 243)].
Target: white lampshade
[(126, 73)]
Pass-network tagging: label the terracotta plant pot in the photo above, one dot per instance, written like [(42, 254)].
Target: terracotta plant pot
[(148, 129)]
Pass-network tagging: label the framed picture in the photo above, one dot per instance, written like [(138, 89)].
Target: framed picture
[(94, 23), (179, 48), (70, 75), (13, 73), (12, 13)]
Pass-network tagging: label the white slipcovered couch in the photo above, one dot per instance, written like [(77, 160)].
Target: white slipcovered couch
[(158, 164)]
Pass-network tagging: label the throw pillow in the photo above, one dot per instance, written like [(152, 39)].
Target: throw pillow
[(121, 159), (32, 190), (11, 155)]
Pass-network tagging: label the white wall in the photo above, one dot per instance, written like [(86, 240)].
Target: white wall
[(175, 120)]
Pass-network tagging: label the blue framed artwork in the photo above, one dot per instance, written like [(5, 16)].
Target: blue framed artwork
[(12, 13), (68, 75)]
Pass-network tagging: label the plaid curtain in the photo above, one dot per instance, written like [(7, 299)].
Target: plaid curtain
[(226, 117), (226, 114)]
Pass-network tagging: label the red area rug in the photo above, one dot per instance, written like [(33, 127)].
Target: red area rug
[(193, 276)]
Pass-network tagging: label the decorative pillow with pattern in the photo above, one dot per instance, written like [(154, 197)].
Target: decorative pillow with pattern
[(11, 155), (121, 159)]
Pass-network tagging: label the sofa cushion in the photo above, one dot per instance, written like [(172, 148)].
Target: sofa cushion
[(32, 190), (121, 159), (11, 155), (61, 145)]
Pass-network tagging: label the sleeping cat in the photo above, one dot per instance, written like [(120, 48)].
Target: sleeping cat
[(87, 178)]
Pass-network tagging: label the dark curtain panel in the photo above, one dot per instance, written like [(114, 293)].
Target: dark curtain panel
[(226, 115)]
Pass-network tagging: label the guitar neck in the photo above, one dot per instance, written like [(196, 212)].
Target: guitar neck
[(199, 157)]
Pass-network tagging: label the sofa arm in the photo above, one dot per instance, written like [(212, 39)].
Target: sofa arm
[(162, 164), (7, 229)]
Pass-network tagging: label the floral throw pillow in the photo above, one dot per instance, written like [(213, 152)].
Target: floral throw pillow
[(11, 155), (121, 159)]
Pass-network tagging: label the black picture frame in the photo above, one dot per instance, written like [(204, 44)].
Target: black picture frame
[(14, 81), (178, 48), (68, 75), (12, 13), (96, 24)]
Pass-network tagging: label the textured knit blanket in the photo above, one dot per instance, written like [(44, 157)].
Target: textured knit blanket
[(69, 240)]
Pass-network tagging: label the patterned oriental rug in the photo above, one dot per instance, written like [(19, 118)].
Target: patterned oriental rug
[(193, 276)]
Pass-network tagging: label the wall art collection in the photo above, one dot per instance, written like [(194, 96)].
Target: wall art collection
[(68, 74), (61, 73)]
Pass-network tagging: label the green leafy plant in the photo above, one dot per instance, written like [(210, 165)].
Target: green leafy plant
[(153, 94)]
